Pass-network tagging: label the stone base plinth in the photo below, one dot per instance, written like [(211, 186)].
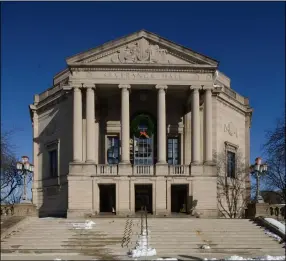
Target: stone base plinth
[(124, 169), (162, 169), (82, 168)]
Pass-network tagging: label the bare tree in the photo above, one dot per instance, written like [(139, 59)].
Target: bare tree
[(11, 180), (231, 191), (274, 149)]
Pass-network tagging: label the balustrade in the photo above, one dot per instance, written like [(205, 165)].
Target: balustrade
[(179, 170), (143, 170), (103, 169)]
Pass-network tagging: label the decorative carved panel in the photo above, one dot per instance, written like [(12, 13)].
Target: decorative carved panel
[(141, 51), (230, 129)]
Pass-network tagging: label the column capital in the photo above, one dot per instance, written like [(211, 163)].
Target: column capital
[(161, 87), (124, 86), (89, 86), (196, 87), (76, 88), (73, 84), (208, 88)]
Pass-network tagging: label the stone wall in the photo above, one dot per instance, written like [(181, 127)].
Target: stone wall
[(21, 210), (276, 211)]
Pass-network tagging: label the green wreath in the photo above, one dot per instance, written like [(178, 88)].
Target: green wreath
[(142, 119)]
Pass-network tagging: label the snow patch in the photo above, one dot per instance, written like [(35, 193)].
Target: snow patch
[(269, 233), (277, 224), (205, 247), (142, 247), (88, 224)]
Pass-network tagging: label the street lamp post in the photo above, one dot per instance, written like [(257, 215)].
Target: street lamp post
[(25, 167), (258, 169)]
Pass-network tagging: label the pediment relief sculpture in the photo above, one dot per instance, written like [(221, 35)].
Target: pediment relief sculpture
[(141, 51)]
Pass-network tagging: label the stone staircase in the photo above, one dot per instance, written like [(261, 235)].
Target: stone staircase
[(50, 238)]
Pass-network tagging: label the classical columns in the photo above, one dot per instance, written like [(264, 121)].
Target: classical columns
[(161, 133), (208, 124), (77, 124), (195, 123), (125, 123), (90, 125)]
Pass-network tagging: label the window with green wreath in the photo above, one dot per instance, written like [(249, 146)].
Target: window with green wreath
[(142, 131)]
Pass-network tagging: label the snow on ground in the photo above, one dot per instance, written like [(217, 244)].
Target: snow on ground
[(277, 238), (88, 224), (142, 246), (249, 258), (276, 223)]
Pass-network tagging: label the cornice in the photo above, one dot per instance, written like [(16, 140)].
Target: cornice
[(114, 50), (147, 68), (232, 106), (51, 101)]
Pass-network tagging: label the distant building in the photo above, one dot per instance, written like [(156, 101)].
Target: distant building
[(133, 123)]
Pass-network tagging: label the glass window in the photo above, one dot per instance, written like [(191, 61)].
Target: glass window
[(173, 151), (113, 149), (53, 155), (231, 164), (143, 148)]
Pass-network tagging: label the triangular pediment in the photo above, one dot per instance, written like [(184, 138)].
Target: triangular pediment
[(141, 48)]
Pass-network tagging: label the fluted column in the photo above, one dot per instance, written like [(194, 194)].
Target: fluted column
[(125, 123), (90, 125), (195, 124), (77, 124), (208, 124), (161, 131)]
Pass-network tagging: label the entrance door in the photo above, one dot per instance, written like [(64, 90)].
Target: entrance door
[(107, 198), (143, 197), (179, 198)]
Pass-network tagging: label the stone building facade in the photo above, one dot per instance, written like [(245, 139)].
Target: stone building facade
[(135, 122)]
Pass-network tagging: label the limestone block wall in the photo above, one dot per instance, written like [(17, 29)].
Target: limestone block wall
[(230, 126), (54, 131), (204, 190), (84, 194), (80, 194)]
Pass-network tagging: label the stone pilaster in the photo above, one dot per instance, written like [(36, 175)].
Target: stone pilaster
[(36, 176), (195, 96), (161, 131), (77, 124), (90, 125)]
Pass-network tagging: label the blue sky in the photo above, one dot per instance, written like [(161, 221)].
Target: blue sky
[(248, 38)]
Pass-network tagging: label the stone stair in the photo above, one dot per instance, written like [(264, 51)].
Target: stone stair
[(171, 237)]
